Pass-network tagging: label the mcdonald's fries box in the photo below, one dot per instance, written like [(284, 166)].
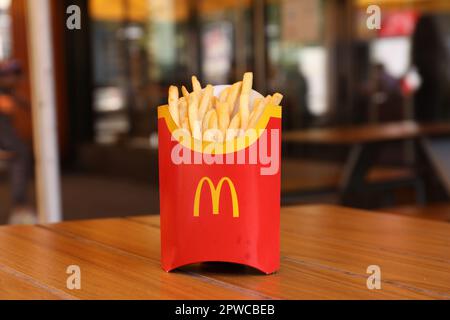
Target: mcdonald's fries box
[(220, 201)]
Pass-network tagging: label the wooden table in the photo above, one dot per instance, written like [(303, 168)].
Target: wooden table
[(325, 253), (435, 211), (367, 141), (371, 133)]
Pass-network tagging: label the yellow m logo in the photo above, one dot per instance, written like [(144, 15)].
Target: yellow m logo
[(215, 195)]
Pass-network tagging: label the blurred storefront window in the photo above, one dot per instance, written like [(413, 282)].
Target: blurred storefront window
[(217, 52), (318, 53), (118, 51), (393, 73), (226, 39), (5, 30), (140, 47), (297, 59)]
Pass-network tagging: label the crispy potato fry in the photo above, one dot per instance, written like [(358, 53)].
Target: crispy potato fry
[(233, 129), (213, 121), (224, 95), (194, 122), (185, 124), (213, 135), (258, 111), (214, 102), (223, 117), (235, 122), (196, 86), (247, 83), (205, 101), (256, 102), (173, 104), (209, 135), (182, 106), (206, 119), (244, 111), (211, 104), (276, 99), (233, 95), (185, 93)]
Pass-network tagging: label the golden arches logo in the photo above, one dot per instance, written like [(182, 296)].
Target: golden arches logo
[(215, 196)]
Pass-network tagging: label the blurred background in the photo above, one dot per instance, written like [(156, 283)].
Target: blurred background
[(334, 71)]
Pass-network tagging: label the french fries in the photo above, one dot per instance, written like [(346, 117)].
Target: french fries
[(206, 99), (185, 93), (185, 124), (223, 117), (233, 129), (224, 95), (196, 86), (247, 83), (244, 111), (194, 122), (233, 95), (276, 99), (258, 111), (218, 119), (183, 110), (206, 120), (173, 104)]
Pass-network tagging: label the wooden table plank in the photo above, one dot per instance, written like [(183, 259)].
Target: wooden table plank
[(107, 273), (332, 241), (282, 285), (435, 211), (429, 239), (14, 286), (398, 251), (414, 254), (372, 225), (395, 131), (325, 252)]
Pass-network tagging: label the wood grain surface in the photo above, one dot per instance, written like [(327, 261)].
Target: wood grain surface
[(394, 131), (325, 252), (435, 211)]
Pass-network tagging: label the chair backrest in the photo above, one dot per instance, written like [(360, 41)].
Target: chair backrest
[(438, 151), (5, 155)]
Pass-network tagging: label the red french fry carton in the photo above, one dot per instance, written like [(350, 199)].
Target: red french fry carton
[(220, 201)]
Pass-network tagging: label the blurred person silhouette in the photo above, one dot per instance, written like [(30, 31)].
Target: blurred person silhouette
[(297, 98), (385, 95), (294, 86), (430, 56), (385, 102), (20, 163)]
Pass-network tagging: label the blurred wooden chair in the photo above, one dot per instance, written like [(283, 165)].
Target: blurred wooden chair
[(302, 178), (5, 156)]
